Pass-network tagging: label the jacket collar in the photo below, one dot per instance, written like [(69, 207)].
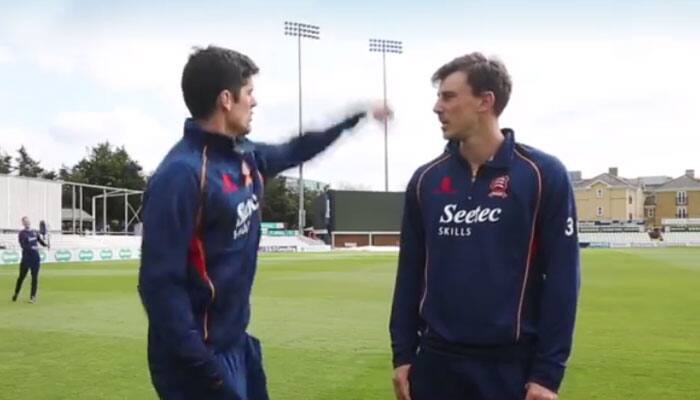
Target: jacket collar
[(216, 141), (502, 158)]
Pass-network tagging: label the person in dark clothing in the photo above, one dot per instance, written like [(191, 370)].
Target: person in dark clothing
[(488, 275), (201, 231), (29, 240)]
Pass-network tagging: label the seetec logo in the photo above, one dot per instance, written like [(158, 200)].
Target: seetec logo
[(459, 221), (124, 254), (86, 255), (10, 256), (62, 255), (245, 209), (106, 254)]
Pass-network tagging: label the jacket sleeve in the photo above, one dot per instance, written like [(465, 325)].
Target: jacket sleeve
[(405, 319), (274, 159), (171, 202), (558, 253)]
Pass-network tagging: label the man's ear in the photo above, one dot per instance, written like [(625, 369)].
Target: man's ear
[(225, 100), (488, 101)]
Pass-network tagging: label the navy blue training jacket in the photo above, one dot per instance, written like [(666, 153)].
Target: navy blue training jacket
[(490, 262), (29, 240), (200, 240)]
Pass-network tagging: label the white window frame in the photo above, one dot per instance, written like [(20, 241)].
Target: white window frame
[(681, 212), (599, 193), (599, 212), (681, 198)]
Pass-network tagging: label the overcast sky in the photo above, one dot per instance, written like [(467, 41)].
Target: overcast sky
[(596, 83)]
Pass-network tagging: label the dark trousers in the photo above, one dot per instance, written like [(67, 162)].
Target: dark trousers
[(243, 376), (437, 375), (24, 267)]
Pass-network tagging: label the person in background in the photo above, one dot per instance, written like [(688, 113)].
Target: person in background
[(29, 240)]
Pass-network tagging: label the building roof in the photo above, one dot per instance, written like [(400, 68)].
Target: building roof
[(680, 183), (651, 181), (67, 215), (608, 179)]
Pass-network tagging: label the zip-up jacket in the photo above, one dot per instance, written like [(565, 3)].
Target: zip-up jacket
[(29, 240), (489, 262), (200, 240)]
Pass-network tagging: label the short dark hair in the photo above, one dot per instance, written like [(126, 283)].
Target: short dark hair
[(208, 72), (483, 74)]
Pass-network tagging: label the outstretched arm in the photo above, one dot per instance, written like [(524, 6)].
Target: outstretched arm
[(274, 159)]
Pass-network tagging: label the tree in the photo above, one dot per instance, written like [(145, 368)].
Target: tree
[(5, 163), (26, 165), (49, 175), (279, 204), (310, 197), (106, 165), (65, 173)]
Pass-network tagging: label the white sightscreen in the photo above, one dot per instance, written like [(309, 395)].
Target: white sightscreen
[(38, 199)]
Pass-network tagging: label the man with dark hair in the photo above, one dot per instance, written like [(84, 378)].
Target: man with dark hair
[(202, 229), (210, 71), (488, 276), (29, 240)]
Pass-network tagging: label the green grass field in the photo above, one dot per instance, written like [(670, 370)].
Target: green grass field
[(323, 322)]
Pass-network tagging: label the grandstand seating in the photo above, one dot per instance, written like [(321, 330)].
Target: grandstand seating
[(641, 238), (298, 243), (615, 237), (682, 238)]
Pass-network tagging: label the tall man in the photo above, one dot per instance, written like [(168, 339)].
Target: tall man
[(202, 230), (488, 275), (29, 240)]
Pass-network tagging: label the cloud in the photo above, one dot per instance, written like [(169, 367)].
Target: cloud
[(70, 136), (145, 138), (39, 145), (6, 55), (593, 97)]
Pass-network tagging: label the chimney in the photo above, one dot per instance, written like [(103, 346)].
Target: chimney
[(612, 171), (690, 173), (575, 176)]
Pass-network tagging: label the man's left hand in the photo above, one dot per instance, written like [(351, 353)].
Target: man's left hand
[(539, 392)]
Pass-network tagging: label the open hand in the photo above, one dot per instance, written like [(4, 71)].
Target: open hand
[(539, 392), (401, 385)]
